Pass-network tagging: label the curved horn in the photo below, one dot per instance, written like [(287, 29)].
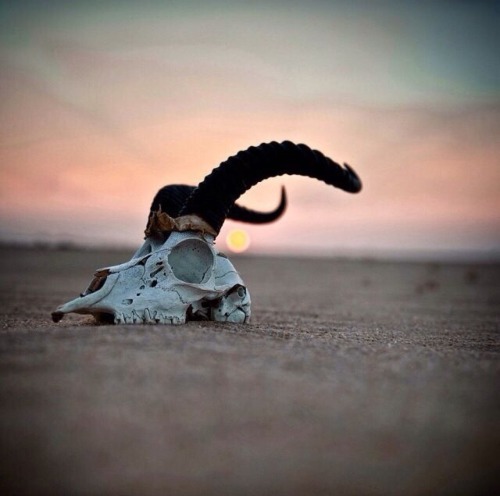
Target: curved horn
[(172, 198), (213, 197), (243, 214)]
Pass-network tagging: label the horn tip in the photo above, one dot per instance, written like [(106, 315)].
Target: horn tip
[(356, 184)]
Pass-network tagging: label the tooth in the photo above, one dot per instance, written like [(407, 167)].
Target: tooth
[(128, 319), (118, 318), (136, 318), (147, 317)]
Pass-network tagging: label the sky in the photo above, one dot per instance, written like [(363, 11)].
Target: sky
[(103, 103)]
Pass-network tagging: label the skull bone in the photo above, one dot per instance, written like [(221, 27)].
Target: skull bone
[(182, 278)]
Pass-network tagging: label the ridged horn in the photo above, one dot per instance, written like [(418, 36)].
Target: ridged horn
[(172, 198), (215, 195)]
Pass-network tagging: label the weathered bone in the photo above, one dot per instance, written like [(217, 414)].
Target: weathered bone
[(177, 274), (186, 278)]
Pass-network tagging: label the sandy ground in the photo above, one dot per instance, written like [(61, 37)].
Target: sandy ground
[(353, 378)]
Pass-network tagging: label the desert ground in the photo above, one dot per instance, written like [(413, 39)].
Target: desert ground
[(354, 377)]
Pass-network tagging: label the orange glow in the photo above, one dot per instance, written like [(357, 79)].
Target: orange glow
[(94, 122), (238, 240)]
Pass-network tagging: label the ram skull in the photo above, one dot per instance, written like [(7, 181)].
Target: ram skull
[(177, 274)]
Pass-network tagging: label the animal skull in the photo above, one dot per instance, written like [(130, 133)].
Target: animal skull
[(185, 278), (177, 274)]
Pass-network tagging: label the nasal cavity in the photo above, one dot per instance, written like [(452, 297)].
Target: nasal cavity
[(96, 284)]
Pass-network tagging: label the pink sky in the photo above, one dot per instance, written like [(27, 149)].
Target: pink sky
[(101, 108)]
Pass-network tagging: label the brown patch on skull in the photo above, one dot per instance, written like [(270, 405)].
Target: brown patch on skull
[(160, 223), (194, 223)]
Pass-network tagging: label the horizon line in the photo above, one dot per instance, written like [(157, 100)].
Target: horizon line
[(355, 254)]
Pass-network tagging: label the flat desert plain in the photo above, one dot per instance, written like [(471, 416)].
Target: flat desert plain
[(354, 377)]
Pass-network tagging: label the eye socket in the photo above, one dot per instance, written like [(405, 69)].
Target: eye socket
[(95, 285), (191, 261)]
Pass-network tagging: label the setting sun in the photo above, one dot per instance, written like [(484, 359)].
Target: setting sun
[(237, 240)]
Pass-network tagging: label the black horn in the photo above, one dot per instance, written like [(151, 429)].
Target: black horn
[(170, 199), (215, 195)]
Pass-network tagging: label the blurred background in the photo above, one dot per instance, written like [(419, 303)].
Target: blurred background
[(103, 103)]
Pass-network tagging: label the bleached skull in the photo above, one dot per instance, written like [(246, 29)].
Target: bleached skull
[(177, 274), (185, 278)]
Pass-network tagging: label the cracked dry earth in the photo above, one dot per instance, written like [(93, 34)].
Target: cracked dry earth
[(353, 378)]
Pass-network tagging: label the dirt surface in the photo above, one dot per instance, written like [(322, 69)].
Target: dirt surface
[(353, 378)]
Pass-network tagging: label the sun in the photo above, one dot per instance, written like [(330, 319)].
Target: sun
[(237, 240)]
